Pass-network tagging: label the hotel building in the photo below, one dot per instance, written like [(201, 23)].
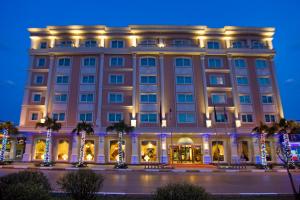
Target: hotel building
[(193, 93)]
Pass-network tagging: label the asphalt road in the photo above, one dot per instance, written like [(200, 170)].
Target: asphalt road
[(219, 182)]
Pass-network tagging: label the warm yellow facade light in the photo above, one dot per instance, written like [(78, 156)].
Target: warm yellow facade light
[(133, 39), (208, 123), (34, 41), (163, 123), (102, 40), (52, 41), (238, 123), (201, 41), (133, 122)]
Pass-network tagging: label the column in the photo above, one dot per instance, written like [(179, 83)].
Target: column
[(28, 148), (164, 154), (134, 150), (100, 91), (52, 41), (206, 151), (208, 121), (201, 42), (133, 120), (233, 148), (51, 66), (75, 149), (13, 146), (256, 149), (162, 90), (34, 42), (101, 146)]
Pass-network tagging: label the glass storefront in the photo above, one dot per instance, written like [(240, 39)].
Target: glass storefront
[(40, 147), (63, 150), (89, 150), (218, 151), (20, 148), (243, 150), (268, 148), (149, 151), (7, 151), (295, 147), (113, 150), (186, 154)]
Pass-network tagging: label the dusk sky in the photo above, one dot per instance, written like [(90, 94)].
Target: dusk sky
[(17, 16)]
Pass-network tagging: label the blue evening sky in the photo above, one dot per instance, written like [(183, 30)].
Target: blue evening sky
[(17, 16)]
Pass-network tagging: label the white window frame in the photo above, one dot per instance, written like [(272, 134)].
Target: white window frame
[(59, 58), (246, 114), (38, 62), (243, 103), (62, 75), (88, 57), (215, 58), (88, 75), (217, 76), (264, 85), (267, 95), (184, 80), (116, 93), (214, 41), (117, 57), (36, 93), (58, 113), (147, 57), (270, 114), (115, 113), (263, 60), (116, 83), (86, 93), (183, 58), (243, 77), (85, 113), (148, 122), (186, 114), (185, 99), (240, 67), (148, 94), (34, 112), (218, 94), (60, 94), (148, 79), (118, 40), (39, 75)]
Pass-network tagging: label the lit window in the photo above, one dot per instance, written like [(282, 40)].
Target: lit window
[(58, 116), (269, 118), (117, 44), (41, 62), (217, 150), (88, 79), (216, 80), (89, 150), (149, 151), (39, 149), (115, 117), (148, 79), (183, 62), (34, 116), (64, 62), (62, 79), (243, 149), (86, 98), (37, 97), (261, 63), (148, 62), (183, 80), (186, 118), (148, 117), (213, 45), (115, 98), (90, 43), (240, 63), (86, 117), (114, 152), (218, 98), (89, 62), (215, 63), (60, 98), (116, 61), (263, 81), (185, 98), (116, 79), (148, 98), (63, 150), (242, 80), (245, 99), (267, 99), (247, 118)]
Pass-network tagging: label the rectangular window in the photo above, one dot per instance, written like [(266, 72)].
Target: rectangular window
[(240, 63), (183, 62), (269, 118), (90, 43), (64, 62), (148, 117), (263, 81), (58, 116), (36, 97), (242, 80), (185, 98), (62, 79), (86, 117), (117, 44), (88, 79), (183, 80), (247, 118), (148, 98), (116, 62), (218, 98), (148, 43), (267, 99), (148, 79), (213, 45), (245, 99), (115, 117), (182, 43), (43, 45), (148, 62), (116, 79), (66, 43), (115, 98), (185, 117), (34, 116), (41, 62), (215, 63), (221, 117), (238, 44), (60, 98), (218, 151), (39, 79), (86, 98), (216, 80), (257, 44), (261, 63), (89, 62)]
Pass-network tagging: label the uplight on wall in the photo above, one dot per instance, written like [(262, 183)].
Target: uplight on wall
[(133, 40), (163, 123), (133, 122), (238, 123), (208, 123), (34, 42), (102, 41)]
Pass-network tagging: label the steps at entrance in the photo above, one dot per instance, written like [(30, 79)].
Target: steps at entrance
[(194, 166)]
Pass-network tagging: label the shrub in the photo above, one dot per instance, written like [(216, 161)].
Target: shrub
[(121, 166), (24, 185), (82, 184), (181, 191)]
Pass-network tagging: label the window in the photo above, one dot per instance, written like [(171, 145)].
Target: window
[(148, 118), (113, 150), (63, 150), (218, 98), (86, 117), (89, 62), (148, 79), (242, 80), (148, 62), (34, 116), (41, 62), (90, 43), (149, 151), (247, 118), (213, 45), (36, 97), (216, 80), (261, 63), (183, 62), (245, 99), (115, 117), (238, 44), (263, 81), (117, 44), (215, 63), (43, 45), (267, 99), (116, 79), (86, 98), (64, 62), (257, 44), (221, 117), (66, 43), (183, 80), (217, 150), (62, 79), (182, 43), (88, 79), (89, 150), (148, 43), (116, 62), (58, 116), (39, 79), (59, 98), (243, 149), (115, 98), (39, 149), (148, 98), (240, 63), (186, 118), (269, 118), (185, 98)]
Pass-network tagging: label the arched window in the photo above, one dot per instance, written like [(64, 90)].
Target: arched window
[(148, 62), (63, 150), (40, 147)]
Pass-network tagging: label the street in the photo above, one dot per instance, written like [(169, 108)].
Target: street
[(216, 183)]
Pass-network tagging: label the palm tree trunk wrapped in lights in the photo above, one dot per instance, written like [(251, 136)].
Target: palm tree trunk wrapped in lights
[(120, 149), (7, 128), (263, 150), (81, 151), (4, 142), (47, 155)]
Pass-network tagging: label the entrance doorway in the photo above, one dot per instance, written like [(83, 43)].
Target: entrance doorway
[(186, 154)]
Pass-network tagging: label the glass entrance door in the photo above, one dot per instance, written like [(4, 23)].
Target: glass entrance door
[(186, 154)]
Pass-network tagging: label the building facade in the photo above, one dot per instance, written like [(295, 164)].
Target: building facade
[(192, 93)]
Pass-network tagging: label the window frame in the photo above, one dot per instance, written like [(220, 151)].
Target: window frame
[(115, 93)]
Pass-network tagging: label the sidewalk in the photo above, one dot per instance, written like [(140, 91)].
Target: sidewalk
[(140, 168)]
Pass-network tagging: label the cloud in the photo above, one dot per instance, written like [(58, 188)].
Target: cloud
[(290, 80), (8, 82)]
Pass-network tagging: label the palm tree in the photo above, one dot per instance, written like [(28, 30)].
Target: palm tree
[(8, 128), (263, 130), (50, 125), (83, 129), (121, 128)]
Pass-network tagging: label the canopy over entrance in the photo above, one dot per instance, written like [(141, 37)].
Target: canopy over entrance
[(185, 141)]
